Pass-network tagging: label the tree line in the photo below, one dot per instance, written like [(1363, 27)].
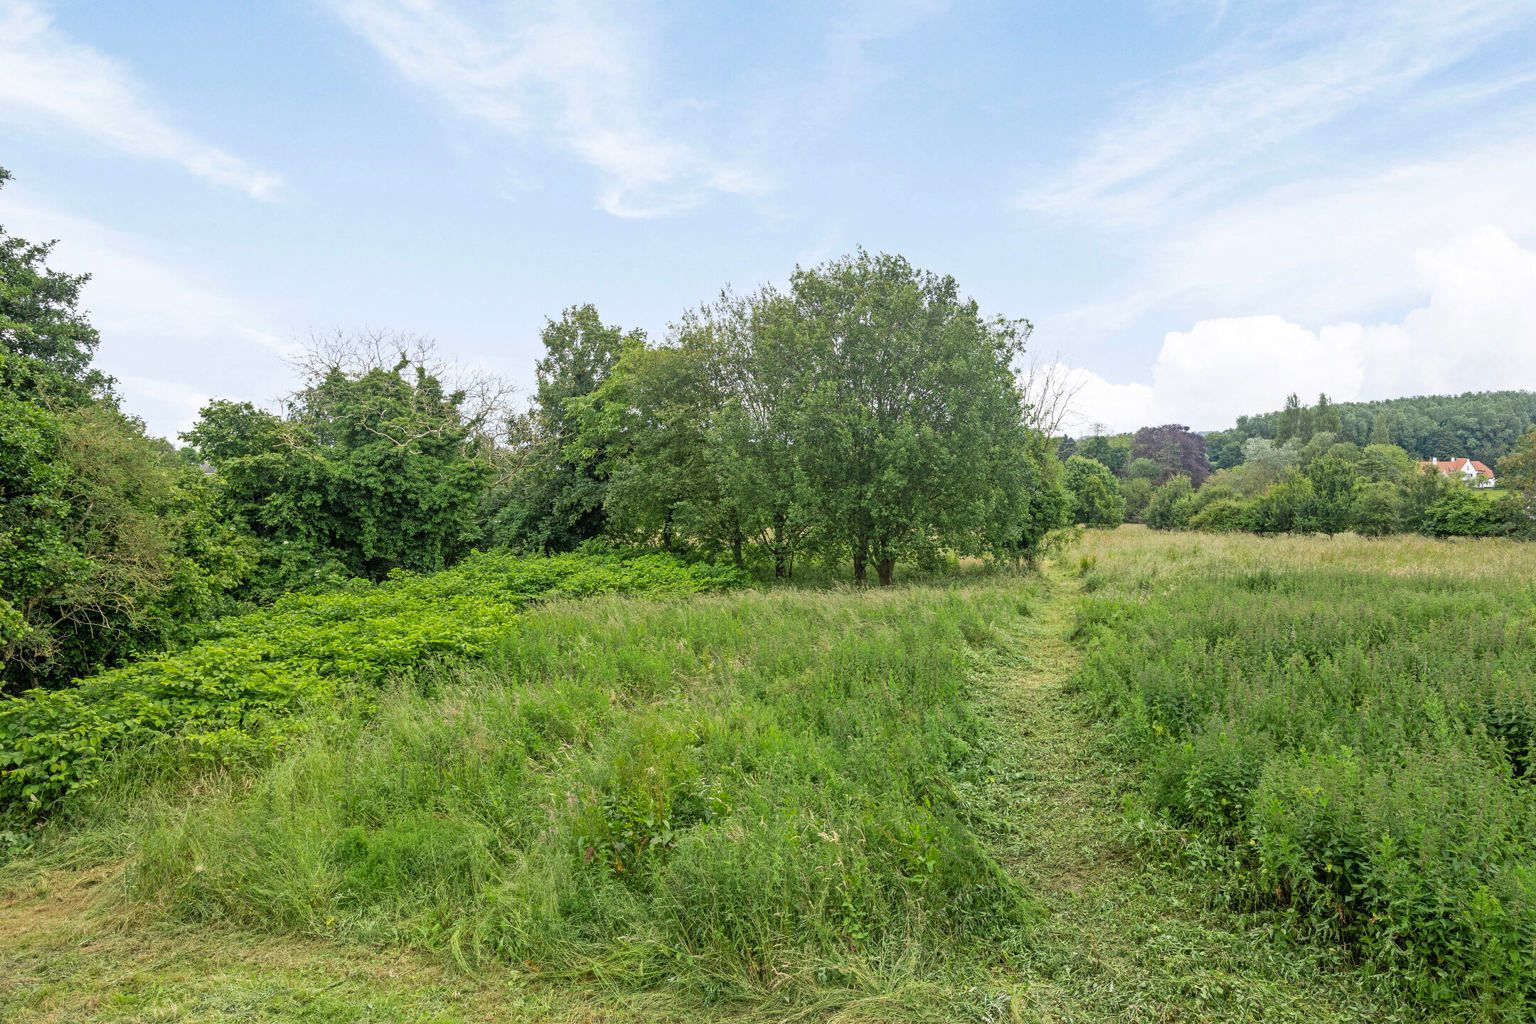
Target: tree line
[(1482, 425), (1312, 481), (864, 418)]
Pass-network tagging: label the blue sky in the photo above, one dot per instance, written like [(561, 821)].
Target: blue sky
[(1202, 205)]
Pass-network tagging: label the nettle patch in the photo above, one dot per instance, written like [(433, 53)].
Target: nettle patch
[(1359, 745)]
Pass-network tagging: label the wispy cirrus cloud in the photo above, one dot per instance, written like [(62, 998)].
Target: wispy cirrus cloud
[(169, 335), (1227, 119), (51, 83), (573, 71)]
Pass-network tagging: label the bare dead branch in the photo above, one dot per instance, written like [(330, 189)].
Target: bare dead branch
[(1050, 389)]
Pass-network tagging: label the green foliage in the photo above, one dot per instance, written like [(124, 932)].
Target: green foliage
[(871, 414), (46, 340), (1479, 425), (1386, 463), (1517, 468), (109, 544), (1171, 505), (233, 695), (910, 416), (373, 466), (1223, 515), (727, 797), (1096, 497), (1113, 450), (1460, 512), (1377, 509), (1334, 476), (1350, 746), (553, 497), (1286, 506), (1136, 492)]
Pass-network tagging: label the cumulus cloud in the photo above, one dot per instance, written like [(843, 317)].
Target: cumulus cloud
[(571, 70), (1329, 247), (1475, 331), (50, 83)]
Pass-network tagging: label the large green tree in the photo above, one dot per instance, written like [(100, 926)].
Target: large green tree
[(1096, 497), (910, 411), (646, 432), (109, 545), (552, 497), (753, 447)]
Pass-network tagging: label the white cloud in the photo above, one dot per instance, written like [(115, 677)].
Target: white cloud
[(1329, 248), (170, 338), (49, 83), (570, 69), (1225, 119), (1476, 331)]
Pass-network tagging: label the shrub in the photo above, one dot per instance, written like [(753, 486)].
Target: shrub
[(1224, 515), (1096, 497), (1171, 505), (234, 695), (1461, 512), (1377, 510)]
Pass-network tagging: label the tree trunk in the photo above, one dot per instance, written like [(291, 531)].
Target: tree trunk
[(736, 552), (885, 568), (861, 560)]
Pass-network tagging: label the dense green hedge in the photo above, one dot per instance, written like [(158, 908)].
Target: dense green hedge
[(230, 695), (1361, 747)]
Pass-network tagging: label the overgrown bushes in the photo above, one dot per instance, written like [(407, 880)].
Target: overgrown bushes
[(233, 694)]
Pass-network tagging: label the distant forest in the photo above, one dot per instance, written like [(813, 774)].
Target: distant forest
[(1481, 425)]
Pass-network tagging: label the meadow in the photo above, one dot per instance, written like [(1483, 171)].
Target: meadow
[(1340, 730), (1169, 776), (745, 797)]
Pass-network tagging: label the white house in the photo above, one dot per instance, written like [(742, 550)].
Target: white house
[(1468, 471)]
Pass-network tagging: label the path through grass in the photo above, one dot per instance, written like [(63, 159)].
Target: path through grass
[(1123, 939), (1119, 937)]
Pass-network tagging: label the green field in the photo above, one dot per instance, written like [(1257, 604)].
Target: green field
[(1169, 777)]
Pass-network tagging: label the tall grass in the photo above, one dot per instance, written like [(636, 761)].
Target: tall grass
[(1351, 726), (737, 796), (234, 696)]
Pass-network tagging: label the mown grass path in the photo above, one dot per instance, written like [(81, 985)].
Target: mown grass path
[(1122, 939)]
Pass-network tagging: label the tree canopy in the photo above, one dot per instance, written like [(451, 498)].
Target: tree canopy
[(109, 544), (371, 466)]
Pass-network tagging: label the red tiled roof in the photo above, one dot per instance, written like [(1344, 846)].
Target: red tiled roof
[(1449, 466)]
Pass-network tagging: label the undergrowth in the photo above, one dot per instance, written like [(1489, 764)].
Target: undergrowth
[(742, 797), (233, 697), (1343, 734)]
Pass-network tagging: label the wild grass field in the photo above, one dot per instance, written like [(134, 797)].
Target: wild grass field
[(1169, 777)]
